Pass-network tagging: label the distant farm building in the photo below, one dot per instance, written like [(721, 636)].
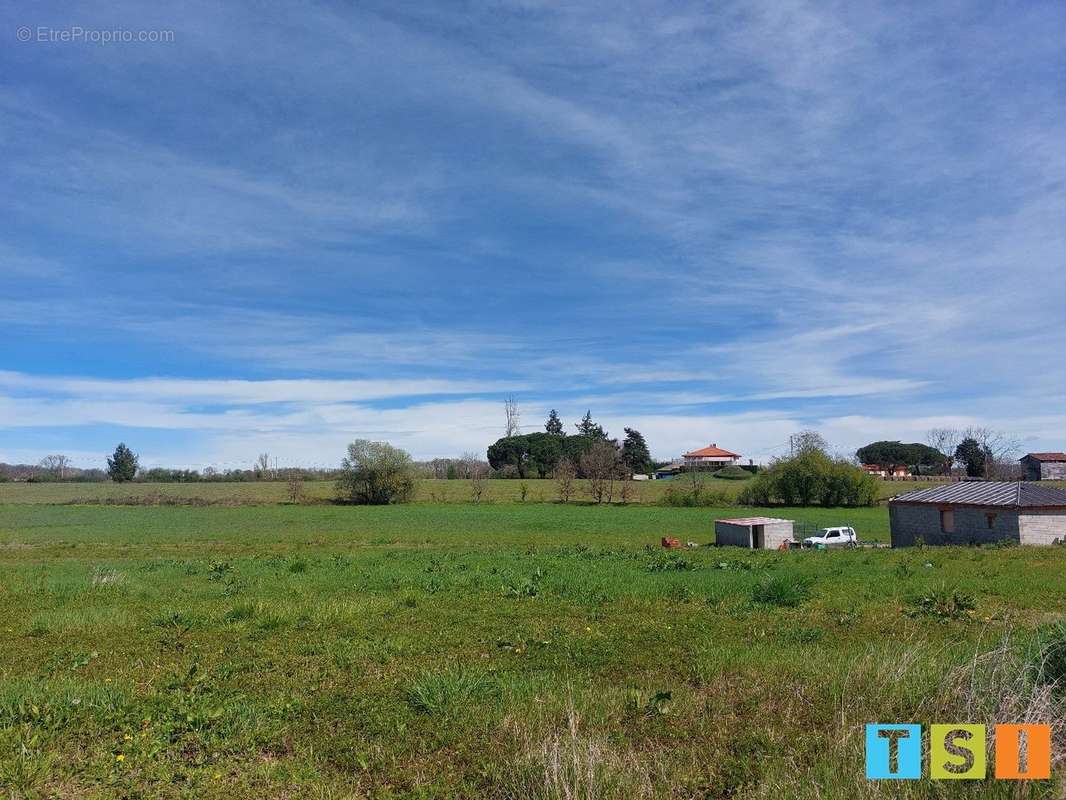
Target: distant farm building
[(710, 456), (979, 513), (1044, 466), (669, 471), (897, 471), (761, 533)]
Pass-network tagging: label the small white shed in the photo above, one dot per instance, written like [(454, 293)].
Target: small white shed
[(760, 533)]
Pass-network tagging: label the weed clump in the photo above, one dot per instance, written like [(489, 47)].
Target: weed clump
[(452, 691), (784, 591), (943, 604), (670, 562)]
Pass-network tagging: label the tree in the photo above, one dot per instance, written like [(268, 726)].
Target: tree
[(635, 452), (601, 464), (921, 457), (564, 479), (973, 457), (945, 441), (478, 475), (992, 457), (514, 426), (531, 455), (554, 425), (376, 473), (262, 467), (807, 442), (811, 478), (122, 466), (589, 429), (56, 465), (999, 448), (294, 479)]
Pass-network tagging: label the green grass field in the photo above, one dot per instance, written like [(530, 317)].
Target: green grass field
[(494, 651), (428, 491)]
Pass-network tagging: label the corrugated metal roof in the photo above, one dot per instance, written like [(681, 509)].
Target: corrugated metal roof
[(988, 493)]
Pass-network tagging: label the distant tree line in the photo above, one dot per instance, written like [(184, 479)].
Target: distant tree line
[(589, 452), (40, 473), (978, 452), (921, 459), (124, 466)]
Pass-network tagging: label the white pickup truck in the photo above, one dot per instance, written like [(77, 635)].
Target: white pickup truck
[(832, 537)]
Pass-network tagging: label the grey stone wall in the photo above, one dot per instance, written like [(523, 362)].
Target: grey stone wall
[(1043, 527), (908, 522), (1044, 470), (1053, 471)]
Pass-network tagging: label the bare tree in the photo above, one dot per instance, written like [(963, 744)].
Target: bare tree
[(510, 408), (627, 488), (695, 482), (56, 464), (600, 466), (946, 440), (262, 465), (295, 482), (564, 479), (1001, 448), (469, 465), (479, 474)]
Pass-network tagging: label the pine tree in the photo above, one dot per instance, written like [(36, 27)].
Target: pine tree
[(589, 429), (973, 456), (122, 466), (635, 452), (554, 425)]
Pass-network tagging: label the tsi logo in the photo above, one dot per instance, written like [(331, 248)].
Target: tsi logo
[(894, 752)]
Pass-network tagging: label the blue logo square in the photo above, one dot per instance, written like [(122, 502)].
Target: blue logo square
[(893, 752)]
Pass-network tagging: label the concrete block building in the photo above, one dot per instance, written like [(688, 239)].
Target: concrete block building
[(1044, 466), (760, 533), (979, 513)]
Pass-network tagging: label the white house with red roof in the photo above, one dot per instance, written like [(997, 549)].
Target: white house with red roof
[(710, 456)]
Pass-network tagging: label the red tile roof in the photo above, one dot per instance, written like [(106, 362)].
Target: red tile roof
[(713, 451), (1047, 456)]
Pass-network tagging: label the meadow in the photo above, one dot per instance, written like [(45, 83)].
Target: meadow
[(427, 491), (500, 650)]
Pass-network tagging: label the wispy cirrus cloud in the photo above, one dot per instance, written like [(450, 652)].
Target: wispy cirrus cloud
[(744, 218)]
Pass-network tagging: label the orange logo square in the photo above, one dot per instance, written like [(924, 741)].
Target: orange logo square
[(1023, 752)]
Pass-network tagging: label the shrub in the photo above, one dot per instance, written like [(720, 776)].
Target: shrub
[(732, 473), (1051, 645), (810, 479), (943, 604), (785, 591), (695, 494), (376, 473)]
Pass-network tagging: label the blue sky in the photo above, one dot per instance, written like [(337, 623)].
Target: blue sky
[(294, 225)]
